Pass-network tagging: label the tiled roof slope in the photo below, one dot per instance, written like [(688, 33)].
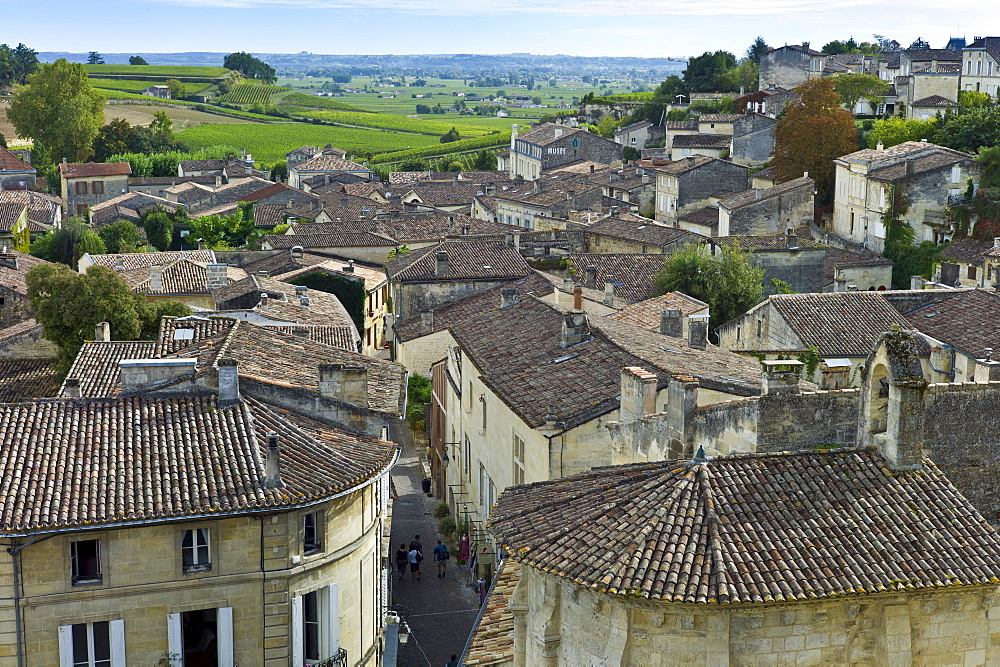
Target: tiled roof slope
[(642, 231), (41, 207), (751, 528), (194, 329), (966, 250), (970, 321), (91, 463), (144, 260), (341, 240), (477, 260), (752, 196), (836, 258), (492, 639), (546, 133), (717, 141), (22, 379), (96, 365), (10, 162), (13, 277), (9, 214), (838, 323), (461, 310), (766, 243), (646, 314), (91, 169), (180, 277), (328, 161), (632, 274)]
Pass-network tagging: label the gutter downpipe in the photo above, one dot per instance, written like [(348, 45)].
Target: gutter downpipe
[(15, 552)]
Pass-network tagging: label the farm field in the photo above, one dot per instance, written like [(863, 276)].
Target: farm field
[(427, 125), (251, 93), (183, 117), (157, 71), (268, 143), (130, 86)]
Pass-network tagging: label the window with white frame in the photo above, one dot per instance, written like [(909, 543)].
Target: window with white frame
[(100, 644), (518, 469), (85, 562), (195, 552), (315, 625), (312, 539)]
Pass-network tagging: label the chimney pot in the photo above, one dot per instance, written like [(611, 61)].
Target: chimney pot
[(509, 296), (216, 276), (791, 239), (568, 285), (156, 278), (201, 244), (590, 277), (272, 464), (575, 328), (102, 332), (426, 321), (609, 293), (672, 322), (441, 265), (72, 388), (781, 377), (697, 332), (263, 301), (577, 298), (296, 252), (229, 380)]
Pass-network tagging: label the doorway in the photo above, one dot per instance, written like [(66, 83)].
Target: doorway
[(200, 633)]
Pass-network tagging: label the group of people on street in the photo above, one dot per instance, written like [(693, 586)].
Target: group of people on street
[(414, 554)]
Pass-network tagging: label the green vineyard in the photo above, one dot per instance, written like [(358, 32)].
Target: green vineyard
[(315, 102), (251, 93), (436, 150), (130, 86), (158, 71), (385, 121)]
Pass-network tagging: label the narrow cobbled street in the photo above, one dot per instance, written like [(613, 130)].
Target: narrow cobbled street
[(441, 611)]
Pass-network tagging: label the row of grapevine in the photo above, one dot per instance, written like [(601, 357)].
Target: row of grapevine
[(316, 102), (437, 150), (137, 86), (251, 93), (158, 71), (385, 121)]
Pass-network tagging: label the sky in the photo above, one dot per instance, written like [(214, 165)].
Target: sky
[(648, 28)]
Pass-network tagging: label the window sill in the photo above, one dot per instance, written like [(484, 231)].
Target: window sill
[(197, 569), (88, 581), (312, 551)]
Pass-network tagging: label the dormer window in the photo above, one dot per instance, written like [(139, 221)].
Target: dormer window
[(85, 562)]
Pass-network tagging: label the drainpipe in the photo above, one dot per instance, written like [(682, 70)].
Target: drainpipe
[(15, 552), (951, 353)]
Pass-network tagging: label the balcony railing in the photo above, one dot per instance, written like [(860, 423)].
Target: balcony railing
[(957, 200), (339, 659)]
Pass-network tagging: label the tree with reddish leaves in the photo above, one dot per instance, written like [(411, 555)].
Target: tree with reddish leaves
[(813, 131)]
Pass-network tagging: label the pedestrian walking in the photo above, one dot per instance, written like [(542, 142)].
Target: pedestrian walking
[(414, 557), (453, 662), (441, 557), (415, 544), (402, 558)]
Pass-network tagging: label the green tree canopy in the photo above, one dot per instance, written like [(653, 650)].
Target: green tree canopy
[(970, 131), (727, 282), (67, 243), (16, 65), (176, 89), (757, 50), (95, 58), (450, 136), (989, 158), (919, 44), (60, 110), (855, 87), (159, 228), (896, 130), (813, 131), (250, 67), (137, 60), (705, 73), (485, 161), (121, 236)]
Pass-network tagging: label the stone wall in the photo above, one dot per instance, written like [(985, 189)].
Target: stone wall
[(784, 68), (14, 307), (418, 354), (557, 622), (769, 215), (410, 299), (753, 139), (802, 269), (29, 345), (697, 185)]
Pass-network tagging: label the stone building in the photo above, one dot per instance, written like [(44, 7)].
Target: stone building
[(786, 257), (182, 281), (14, 305), (330, 161), (750, 559), (550, 145), (753, 139), (963, 264), (263, 546), (620, 234), (763, 212), (688, 184), (790, 65), (710, 145), (85, 185), (981, 66), (635, 135), (14, 228), (15, 173), (917, 179)]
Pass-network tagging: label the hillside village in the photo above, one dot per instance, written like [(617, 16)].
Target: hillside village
[(686, 378)]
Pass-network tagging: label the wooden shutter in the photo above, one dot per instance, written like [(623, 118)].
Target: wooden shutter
[(117, 643), (65, 646), (332, 618), (224, 625), (298, 649), (175, 640)]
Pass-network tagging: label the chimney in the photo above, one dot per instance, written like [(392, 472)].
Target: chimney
[(756, 193), (538, 186), (791, 239), (156, 278), (229, 380), (638, 394), (216, 276), (698, 331), (102, 332), (349, 268), (451, 222), (645, 179), (441, 266), (466, 229), (577, 298), (509, 296), (296, 252), (551, 418), (805, 174), (916, 282), (71, 389), (590, 277), (839, 283), (272, 464), (987, 370), (908, 167), (137, 374), (575, 328), (672, 322), (426, 321), (609, 293), (513, 135), (879, 146), (902, 444), (568, 285), (996, 241), (345, 383), (781, 377), (263, 300), (592, 169), (201, 244)]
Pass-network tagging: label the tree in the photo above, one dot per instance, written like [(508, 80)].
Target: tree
[(159, 228), (757, 50), (16, 65), (137, 60), (969, 131), (250, 67), (112, 139), (59, 110), (744, 77), (450, 136), (919, 45), (886, 45), (220, 232), (95, 58), (989, 158), (971, 99), (485, 161), (66, 244), (279, 172), (423, 108), (727, 282), (176, 89), (896, 130), (161, 124), (121, 236), (706, 72), (855, 87), (813, 131)]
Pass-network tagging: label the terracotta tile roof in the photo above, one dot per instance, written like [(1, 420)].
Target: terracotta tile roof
[(919, 165), (171, 180), (633, 127), (461, 310), (919, 55), (685, 164), (96, 365), (750, 197), (453, 193), (638, 231), (19, 329), (273, 189), (411, 229), (14, 265), (406, 177), (899, 152), (24, 379), (682, 125), (372, 278), (42, 208), (143, 260), (133, 200), (268, 215), (646, 314), (342, 240), (363, 188), (969, 321), (473, 260), (967, 250), (706, 217), (554, 192), (10, 162), (193, 328), (632, 274), (328, 161), (719, 117), (547, 133), (766, 243), (70, 170), (9, 215), (836, 258), (989, 44), (182, 276), (771, 173), (492, 639), (800, 48), (845, 324), (202, 165), (130, 477), (341, 337), (934, 101), (751, 528), (718, 141)]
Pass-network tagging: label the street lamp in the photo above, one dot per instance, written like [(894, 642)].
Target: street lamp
[(444, 459), (404, 632), (679, 97)]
